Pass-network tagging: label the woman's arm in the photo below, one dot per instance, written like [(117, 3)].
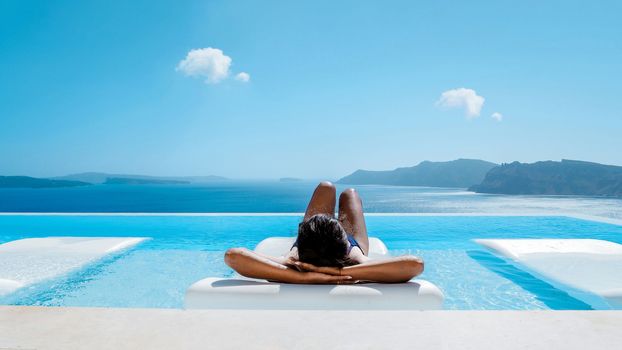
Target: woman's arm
[(250, 264), (393, 270)]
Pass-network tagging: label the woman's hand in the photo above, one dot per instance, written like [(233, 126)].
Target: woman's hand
[(312, 274), (323, 278), (292, 264)]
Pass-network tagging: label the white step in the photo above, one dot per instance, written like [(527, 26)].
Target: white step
[(29, 261), (587, 269)]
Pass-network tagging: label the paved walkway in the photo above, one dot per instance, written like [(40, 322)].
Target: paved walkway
[(23, 327)]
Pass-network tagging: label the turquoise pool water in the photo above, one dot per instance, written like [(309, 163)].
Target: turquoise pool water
[(184, 249)]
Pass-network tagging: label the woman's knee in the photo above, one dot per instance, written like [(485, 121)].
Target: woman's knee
[(325, 188), (349, 194), (326, 185)]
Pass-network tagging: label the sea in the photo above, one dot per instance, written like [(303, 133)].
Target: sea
[(289, 197)]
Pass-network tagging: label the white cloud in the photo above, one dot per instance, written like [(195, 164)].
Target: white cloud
[(497, 116), (209, 63), (462, 98), (243, 77)]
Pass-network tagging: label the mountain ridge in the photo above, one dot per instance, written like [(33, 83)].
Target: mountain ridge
[(567, 177), (461, 173)]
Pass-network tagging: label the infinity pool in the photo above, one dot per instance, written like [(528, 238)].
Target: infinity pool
[(184, 249)]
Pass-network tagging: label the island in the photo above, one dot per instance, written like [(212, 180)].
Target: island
[(289, 179), (568, 177), (461, 173), (137, 181), (33, 182), (101, 178)]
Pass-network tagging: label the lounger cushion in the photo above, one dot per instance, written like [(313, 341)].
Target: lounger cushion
[(587, 269), (244, 293), (237, 293)]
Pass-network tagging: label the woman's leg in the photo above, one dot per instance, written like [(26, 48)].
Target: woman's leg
[(323, 200), (352, 219)]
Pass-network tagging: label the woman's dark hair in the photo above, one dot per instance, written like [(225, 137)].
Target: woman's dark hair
[(322, 241)]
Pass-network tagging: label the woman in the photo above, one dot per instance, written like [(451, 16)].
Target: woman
[(328, 250)]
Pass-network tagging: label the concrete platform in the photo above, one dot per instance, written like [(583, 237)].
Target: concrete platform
[(25, 327)]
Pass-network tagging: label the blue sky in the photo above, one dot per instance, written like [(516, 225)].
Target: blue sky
[(333, 86)]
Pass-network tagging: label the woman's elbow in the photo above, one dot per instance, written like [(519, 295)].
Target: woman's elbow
[(233, 255), (413, 265)]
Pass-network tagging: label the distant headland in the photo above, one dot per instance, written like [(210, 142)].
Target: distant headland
[(568, 177), (456, 173), (33, 182)]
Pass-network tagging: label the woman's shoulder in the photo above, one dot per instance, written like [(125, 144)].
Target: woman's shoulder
[(357, 256)]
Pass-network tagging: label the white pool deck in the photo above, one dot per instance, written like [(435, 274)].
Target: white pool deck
[(31, 327), (106, 328)]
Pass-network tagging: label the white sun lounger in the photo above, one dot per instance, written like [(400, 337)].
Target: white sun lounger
[(28, 261), (587, 269), (244, 293)]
